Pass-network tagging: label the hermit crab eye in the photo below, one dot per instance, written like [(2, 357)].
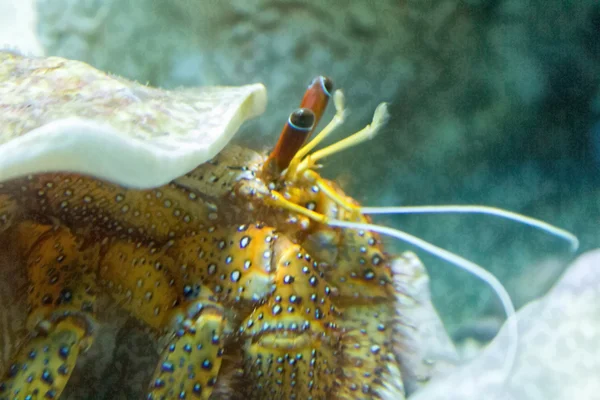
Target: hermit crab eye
[(317, 96), (299, 125), (301, 120), (326, 84)]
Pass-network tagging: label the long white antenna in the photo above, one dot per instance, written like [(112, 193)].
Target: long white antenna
[(460, 209)]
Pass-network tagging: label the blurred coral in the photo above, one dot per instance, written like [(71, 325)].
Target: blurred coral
[(559, 347)]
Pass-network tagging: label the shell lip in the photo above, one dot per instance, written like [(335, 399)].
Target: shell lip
[(89, 147)]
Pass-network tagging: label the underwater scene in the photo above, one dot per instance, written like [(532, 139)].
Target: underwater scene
[(299, 199)]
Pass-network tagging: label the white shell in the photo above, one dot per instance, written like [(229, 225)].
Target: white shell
[(559, 347), (63, 115)]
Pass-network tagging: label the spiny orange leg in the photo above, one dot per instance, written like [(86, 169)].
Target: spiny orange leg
[(191, 362), (61, 319), (140, 279), (143, 280), (177, 289), (234, 262), (291, 344)]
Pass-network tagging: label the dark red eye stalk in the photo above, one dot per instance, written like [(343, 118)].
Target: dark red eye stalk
[(317, 96), (293, 135), (300, 125)]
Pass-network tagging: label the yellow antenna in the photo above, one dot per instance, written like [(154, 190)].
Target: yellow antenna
[(337, 120), (380, 117)]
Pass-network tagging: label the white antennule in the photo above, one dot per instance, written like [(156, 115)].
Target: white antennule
[(460, 209), (460, 262)]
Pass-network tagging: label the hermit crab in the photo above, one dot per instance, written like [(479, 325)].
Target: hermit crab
[(258, 276)]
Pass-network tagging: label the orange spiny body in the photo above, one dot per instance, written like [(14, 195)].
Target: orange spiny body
[(212, 262)]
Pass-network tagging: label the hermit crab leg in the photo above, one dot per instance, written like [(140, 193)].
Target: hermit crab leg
[(61, 298), (143, 280), (139, 278), (191, 361)]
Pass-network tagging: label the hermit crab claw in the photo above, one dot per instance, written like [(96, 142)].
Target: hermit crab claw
[(116, 130)]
